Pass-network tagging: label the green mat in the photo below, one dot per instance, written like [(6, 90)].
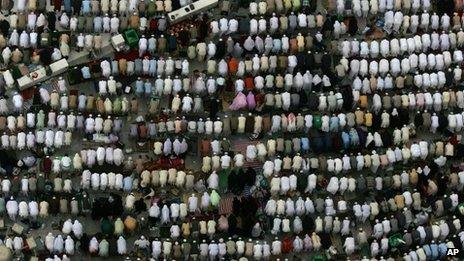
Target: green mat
[(132, 38)]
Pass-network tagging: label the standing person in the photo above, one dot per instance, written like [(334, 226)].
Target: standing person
[(6, 6), (143, 45), (68, 7)]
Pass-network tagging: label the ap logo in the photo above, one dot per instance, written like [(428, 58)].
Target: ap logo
[(452, 252)]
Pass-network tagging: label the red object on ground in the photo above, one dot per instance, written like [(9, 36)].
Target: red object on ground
[(28, 93), (130, 55), (287, 245)]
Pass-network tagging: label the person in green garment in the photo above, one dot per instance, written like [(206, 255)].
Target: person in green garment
[(106, 226), (2, 205), (395, 240), (296, 4), (223, 179), (215, 198), (461, 208), (319, 258), (104, 248), (287, 4), (317, 121), (40, 120), (117, 106), (40, 183), (263, 182), (151, 10), (78, 198), (83, 202)]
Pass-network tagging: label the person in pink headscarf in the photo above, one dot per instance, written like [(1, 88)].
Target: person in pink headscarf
[(251, 101), (240, 101)]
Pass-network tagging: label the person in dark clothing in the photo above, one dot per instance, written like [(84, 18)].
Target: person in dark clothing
[(250, 176), (313, 101), (243, 26), (116, 205), (214, 107), (77, 5), (303, 98), (172, 43), (301, 62), (352, 25), (42, 5), (140, 206), (46, 56), (446, 6), (184, 37), (310, 7), (84, 243), (203, 28), (328, 24), (175, 4), (309, 61), (51, 18), (220, 49), (4, 27), (326, 64)]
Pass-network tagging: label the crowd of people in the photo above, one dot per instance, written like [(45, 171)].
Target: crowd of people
[(254, 130)]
